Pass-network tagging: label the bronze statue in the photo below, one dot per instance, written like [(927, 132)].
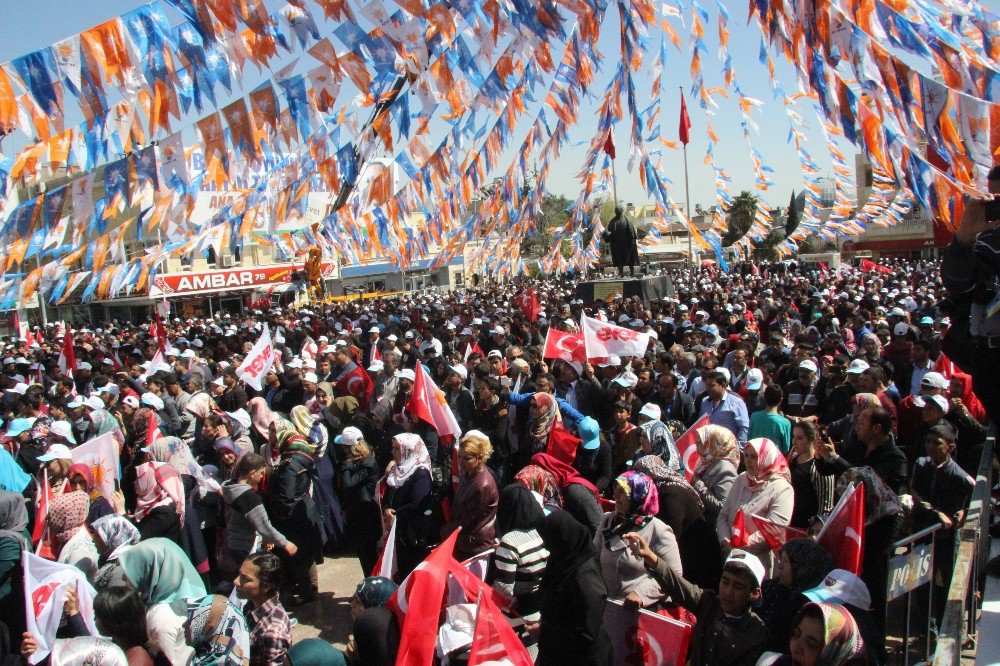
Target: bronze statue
[(623, 237)]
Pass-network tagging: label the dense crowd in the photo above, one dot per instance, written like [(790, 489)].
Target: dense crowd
[(810, 378)]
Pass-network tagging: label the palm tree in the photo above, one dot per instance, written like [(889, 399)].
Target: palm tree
[(741, 216)]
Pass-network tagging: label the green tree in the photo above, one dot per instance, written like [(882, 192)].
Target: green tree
[(740, 218), (766, 248)]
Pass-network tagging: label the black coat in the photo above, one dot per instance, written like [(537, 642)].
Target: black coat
[(291, 507), (623, 238), (573, 620)]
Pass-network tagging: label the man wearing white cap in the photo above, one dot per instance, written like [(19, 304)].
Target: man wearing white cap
[(802, 400), (727, 631)]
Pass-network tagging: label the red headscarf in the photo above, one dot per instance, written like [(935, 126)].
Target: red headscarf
[(564, 474), (969, 398)]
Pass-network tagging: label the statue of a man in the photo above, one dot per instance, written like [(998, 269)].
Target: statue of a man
[(621, 234)]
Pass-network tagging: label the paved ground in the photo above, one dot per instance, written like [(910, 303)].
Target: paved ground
[(329, 616)]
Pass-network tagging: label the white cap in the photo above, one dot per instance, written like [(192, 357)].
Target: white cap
[(376, 366), (626, 379), (373, 329), (934, 380), (842, 587), (392, 337), (83, 365), (349, 436), (94, 402), (131, 401), (939, 400), (20, 387), (460, 370), (406, 373), (173, 352), (56, 452), (74, 403), (808, 364), (748, 561), (152, 400), (900, 329), (218, 381), (310, 377), (63, 429), (755, 379), (187, 353), (651, 410), (295, 363), (857, 366), (611, 361)]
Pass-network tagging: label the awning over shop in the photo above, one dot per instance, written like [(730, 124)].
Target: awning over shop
[(368, 270)]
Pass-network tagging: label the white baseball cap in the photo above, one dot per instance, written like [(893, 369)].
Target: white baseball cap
[(842, 587), (56, 452), (808, 364), (651, 410), (83, 365), (310, 377), (934, 380), (295, 363), (626, 379), (152, 400), (611, 361), (63, 429), (376, 366), (755, 379), (900, 329), (94, 402), (407, 374), (349, 436), (939, 400), (131, 401), (857, 366), (748, 561)]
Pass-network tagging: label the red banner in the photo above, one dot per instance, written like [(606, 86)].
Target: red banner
[(230, 279)]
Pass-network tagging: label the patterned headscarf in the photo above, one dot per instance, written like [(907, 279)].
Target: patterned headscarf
[(414, 457), (842, 639), (716, 443), (541, 481), (228, 643), (157, 484), (375, 591), (880, 500), (173, 450), (115, 533), (661, 442), (308, 426), (79, 470), (643, 497), (66, 517), (540, 427), (654, 467), (291, 440), (770, 463), (39, 434)]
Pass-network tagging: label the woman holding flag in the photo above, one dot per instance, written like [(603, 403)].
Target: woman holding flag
[(405, 493)]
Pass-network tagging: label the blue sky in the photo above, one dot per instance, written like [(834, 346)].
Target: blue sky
[(28, 26)]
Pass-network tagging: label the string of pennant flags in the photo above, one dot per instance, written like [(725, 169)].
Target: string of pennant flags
[(110, 121)]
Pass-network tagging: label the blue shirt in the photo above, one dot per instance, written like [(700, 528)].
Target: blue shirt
[(731, 413)]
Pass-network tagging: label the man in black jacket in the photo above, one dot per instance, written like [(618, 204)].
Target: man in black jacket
[(674, 405), (875, 448)]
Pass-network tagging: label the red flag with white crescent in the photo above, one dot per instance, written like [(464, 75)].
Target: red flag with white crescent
[(687, 446), (843, 534)]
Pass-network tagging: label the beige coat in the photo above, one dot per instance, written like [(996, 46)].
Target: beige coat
[(774, 502), (624, 572)]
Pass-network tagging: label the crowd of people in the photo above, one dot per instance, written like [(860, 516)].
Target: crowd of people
[(229, 497)]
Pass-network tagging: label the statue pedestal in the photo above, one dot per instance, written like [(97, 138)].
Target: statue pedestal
[(647, 287)]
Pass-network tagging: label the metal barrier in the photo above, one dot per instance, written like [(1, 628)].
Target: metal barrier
[(911, 568), (965, 593)]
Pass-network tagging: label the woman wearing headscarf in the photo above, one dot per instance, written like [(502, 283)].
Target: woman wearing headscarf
[(545, 411), (293, 511), (541, 482), (371, 592), (475, 506), (81, 477), (165, 579), (324, 490), (884, 523), (572, 597), (813, 489), (228, 455), (217, 631), (683, 511), (160, 501), (69, 538), (764, 490), (405, 495), (823, 634), (717, 467), (264, 422), (579, 495), (802, 565), (14, 539), (655, 439), (112, 535), (519, 562), (315, 652), (961, 387), (375, 638), (636, 505)]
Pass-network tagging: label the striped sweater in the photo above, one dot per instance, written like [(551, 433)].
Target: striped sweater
[(519, 561)]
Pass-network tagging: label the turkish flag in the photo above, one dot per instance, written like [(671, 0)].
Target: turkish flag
[(566, 346), (358, 383), (160, 333), (528, 302), (562, 444), (869, 266), (45, 495), (417, 605), (663, 641), (684, 130), (386, 565), (67, 357), (843, 534), (775, 535), (493, 640), (427, 403), (609, 143), (687, 446), (739, 538)]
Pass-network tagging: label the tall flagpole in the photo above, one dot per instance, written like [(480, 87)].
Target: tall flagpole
[(687, 200)]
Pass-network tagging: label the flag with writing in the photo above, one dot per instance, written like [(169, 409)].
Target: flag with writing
[(258, 362), (687, 446), (602, 340), (45, 585), (843, 533)]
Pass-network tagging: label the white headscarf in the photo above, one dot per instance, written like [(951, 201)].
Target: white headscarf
[(414, 457)]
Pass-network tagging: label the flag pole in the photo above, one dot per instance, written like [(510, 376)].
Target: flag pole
[(687, 201), (614, 180)]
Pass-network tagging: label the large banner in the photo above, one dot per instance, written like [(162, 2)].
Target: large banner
[(101, 456), (602, 339), (258, 362), (45, 586)]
